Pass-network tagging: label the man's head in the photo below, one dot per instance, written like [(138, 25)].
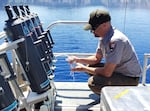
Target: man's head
[(97, 18)]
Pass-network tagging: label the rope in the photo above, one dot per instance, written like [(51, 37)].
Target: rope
[(124, 20), (125, 16), (26, 48)]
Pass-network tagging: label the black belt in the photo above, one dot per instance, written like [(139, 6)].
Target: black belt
[(135, 78)]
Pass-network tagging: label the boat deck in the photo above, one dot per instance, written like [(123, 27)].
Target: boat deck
[(75, 96)]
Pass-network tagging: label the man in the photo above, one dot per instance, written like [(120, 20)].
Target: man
[(121, 63)]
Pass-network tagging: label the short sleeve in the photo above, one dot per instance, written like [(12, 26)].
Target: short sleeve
[(98, 50)]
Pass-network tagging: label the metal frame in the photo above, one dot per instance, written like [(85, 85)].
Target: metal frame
[(13, 83)]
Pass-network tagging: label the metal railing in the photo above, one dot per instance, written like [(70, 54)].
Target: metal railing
[(146, 66), (64, 22)]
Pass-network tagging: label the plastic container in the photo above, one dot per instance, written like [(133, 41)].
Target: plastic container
[(125, 98)]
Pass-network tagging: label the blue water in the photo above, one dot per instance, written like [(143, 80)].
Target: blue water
[(72, 38)]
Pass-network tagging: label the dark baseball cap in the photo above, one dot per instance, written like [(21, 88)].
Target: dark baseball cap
[(97, 17)]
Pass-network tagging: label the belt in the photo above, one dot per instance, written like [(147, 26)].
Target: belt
[(135, 78)]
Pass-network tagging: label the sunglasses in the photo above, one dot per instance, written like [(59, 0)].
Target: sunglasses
[(95, 27)]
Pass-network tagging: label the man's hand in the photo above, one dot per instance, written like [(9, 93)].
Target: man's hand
[(71, 59), (78, 68)]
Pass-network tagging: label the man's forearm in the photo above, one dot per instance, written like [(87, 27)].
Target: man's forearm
[(88, 60)]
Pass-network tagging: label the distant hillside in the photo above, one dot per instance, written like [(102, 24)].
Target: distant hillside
[(79, 3)]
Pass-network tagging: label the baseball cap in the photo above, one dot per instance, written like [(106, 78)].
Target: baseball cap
[(97, 17)]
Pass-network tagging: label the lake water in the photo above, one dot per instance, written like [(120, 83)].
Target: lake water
[(72, 38)]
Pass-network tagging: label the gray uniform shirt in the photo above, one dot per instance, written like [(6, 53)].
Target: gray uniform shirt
[(117, 49)]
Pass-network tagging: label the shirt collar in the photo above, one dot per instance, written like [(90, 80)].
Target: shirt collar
[(108, 36)]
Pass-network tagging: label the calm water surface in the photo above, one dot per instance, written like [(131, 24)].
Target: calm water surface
[(72, 38)]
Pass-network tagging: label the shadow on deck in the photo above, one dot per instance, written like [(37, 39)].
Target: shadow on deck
[(75, 96)]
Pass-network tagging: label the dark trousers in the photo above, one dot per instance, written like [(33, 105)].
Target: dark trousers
[(97, 82)]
